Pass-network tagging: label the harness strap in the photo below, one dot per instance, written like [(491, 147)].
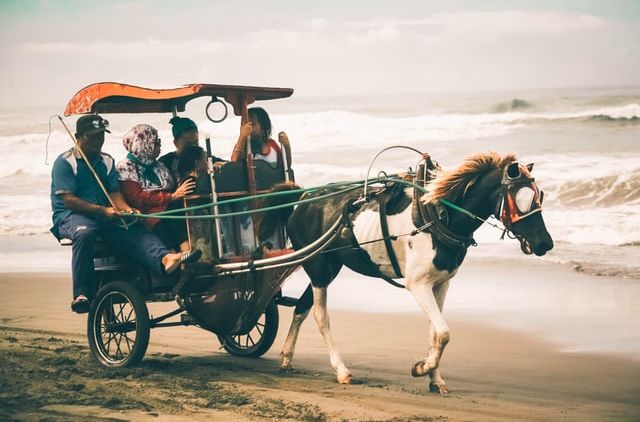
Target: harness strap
[(361, 253), (442, 232), (387, 239), (435, 220)]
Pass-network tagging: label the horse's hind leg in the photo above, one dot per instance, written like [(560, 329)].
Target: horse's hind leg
[(299, 315), (321, 271), (322, 319)]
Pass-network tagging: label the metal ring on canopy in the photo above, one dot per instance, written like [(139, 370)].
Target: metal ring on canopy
[(213, 101)]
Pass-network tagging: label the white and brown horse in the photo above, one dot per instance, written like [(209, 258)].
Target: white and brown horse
[(484, 184)]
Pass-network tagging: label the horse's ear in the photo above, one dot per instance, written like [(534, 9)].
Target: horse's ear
[(530, 167), (513, 171)]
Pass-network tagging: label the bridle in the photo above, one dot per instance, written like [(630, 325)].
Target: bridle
[(519, 198)]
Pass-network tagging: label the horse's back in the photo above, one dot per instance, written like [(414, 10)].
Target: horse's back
[(310, 220)]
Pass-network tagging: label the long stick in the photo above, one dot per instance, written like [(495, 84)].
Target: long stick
[(84, 157), (251, 175)]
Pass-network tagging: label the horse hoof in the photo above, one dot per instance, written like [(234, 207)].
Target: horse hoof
[(286, 369), (344, 378), (285, 362), (419, 369), (438, 388)]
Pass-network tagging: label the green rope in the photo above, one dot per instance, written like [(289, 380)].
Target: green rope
[(233, 214), (262, 195), (352, 185), (442, 201)]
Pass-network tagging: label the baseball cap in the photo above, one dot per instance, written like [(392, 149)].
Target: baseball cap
[(91, 124)]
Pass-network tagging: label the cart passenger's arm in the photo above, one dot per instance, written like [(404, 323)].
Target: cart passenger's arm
[(72, 202), (139, 198), (240, 148)]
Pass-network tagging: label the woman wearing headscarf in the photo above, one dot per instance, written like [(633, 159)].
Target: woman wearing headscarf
[(148, 185)]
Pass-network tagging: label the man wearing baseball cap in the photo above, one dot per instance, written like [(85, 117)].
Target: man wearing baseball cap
[(82, 211)]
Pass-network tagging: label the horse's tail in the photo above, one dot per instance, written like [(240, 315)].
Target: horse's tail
[(268, 221)]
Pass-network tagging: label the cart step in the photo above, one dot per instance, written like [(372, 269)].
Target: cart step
[(186, 319), (287, 301)]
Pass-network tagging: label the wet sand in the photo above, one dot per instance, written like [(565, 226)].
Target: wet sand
[(493, 374)]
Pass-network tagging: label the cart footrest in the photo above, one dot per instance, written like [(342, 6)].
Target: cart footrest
[(286, 301), (186, 319)]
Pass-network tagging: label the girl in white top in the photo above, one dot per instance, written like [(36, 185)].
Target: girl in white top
[(262, 146)]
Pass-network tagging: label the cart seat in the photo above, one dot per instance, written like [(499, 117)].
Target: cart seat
[(233, 177)]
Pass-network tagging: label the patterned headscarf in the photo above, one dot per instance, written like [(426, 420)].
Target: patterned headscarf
[(141, 141), (141, 166)]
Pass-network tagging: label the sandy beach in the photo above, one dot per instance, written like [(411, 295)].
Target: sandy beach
[(492, 373), (327, 94)]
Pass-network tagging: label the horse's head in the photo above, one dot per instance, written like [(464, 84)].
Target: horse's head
[(519, 207), (488, 183)]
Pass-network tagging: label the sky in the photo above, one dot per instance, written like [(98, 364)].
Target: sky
[(51, 49)]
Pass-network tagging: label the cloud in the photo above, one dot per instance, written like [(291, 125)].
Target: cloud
[(436, 52), (120, 49), (487, 24)]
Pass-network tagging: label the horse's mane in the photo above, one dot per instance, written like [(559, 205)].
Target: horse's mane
[(454, 183)]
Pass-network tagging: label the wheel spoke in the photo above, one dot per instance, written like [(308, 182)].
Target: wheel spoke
[(119, 314), (108, 345), (237, 340), (118, 350), (249, 339), (126, 338), (129, 316)]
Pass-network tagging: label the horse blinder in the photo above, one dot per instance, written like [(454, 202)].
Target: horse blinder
[(519, 197)]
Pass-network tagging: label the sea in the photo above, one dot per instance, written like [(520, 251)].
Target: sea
[(585, 144)]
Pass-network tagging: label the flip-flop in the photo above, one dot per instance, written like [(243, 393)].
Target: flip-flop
[(80, 305), (185, 258)]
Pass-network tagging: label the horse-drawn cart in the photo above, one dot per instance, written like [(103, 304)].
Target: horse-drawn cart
[(235, 289)]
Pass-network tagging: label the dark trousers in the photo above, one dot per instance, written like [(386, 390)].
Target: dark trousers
[(139, 244), (171, 232)]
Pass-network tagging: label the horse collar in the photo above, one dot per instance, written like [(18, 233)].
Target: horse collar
[(434, 219)]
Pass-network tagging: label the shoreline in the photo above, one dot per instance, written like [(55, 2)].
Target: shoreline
[(576, 312), (606, 261)]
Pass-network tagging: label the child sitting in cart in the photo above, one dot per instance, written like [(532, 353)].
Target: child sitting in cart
[(192, 166), (258, 128)]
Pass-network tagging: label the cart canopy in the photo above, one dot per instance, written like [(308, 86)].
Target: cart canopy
[(113, 97)]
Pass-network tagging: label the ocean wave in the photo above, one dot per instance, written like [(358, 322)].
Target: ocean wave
[(600, 191), (514, 104), (605, 270), (603, 118)]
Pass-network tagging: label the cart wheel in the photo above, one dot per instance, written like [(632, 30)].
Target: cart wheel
[(258, 340), (118, 325)]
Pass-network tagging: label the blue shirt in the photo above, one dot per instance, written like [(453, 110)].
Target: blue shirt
[(71, 174)]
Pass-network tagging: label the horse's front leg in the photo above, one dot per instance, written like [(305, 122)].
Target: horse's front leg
[(423, 291), (322, 319), (437, 384)]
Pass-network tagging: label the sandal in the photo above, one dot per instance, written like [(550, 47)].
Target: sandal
[(80, 304), (185, 258)]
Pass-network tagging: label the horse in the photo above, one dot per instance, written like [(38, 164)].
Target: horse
[(432, 244)]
